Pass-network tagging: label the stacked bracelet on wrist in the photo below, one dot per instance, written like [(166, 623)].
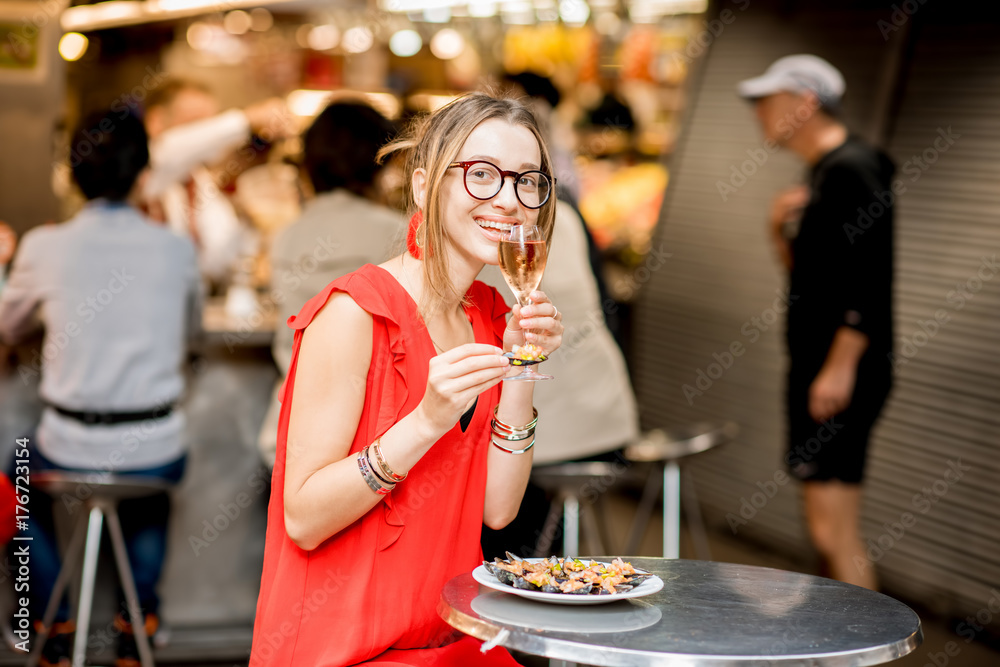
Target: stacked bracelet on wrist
[(509, 433), (378, 475)]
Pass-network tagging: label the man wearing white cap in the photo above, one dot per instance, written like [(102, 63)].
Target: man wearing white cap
[(839, 329)]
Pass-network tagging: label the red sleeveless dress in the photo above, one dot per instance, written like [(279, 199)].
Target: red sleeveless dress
[(370, 592)]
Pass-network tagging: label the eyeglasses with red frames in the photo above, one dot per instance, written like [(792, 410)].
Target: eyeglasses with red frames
[(484, 180)]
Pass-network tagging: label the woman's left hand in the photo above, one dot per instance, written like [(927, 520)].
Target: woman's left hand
[(540, 323)]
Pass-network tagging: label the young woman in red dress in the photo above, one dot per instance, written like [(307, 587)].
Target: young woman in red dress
[(397, 373)]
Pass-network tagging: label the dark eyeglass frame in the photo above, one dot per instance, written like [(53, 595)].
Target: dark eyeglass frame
[(467, 164)]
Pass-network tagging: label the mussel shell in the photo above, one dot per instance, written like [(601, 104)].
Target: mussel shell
[(549, 588), (503, 576), (582, 591), (512, 558), (623, 588), (637, 579), (524, 584)]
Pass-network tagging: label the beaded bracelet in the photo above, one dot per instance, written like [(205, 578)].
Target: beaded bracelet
[(374, 483), (513, 451)]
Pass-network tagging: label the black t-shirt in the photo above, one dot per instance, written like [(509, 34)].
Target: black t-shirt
[(843, 260)]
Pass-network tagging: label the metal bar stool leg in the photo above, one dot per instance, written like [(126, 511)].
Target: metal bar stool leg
[(671, 510), (571, 526), (695, 523), (128, 584), (91, 553), (543, 546), (59, 589), (654, 482)]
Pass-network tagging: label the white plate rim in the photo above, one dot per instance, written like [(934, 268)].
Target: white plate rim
[(649, 587)]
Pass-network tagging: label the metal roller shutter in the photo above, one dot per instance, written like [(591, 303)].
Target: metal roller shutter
[(946, 404)]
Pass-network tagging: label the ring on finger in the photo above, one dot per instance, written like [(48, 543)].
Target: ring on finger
[(556, 313)]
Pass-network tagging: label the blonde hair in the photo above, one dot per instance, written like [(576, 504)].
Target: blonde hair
[(432, 143)]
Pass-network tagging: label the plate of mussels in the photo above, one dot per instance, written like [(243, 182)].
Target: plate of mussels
[(567, 580)]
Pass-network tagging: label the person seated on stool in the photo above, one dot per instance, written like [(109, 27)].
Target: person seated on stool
[(119, 298), (592, 405), (339, 231)]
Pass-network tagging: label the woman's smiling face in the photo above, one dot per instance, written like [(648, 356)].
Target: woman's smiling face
[(473, 226)]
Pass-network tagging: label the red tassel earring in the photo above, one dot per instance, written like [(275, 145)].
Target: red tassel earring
[(411, 236)]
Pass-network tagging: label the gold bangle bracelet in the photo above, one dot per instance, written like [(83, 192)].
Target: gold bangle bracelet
[(514, 437), (513, 451), (377, 448), (507, 428)]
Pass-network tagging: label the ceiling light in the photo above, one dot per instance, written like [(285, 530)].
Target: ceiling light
[(237, 22), (437, 14), (261, 20), (302, 35), (323, 37), (574, 12), (200, 35), (447, 44), (72, 46), (482, 9), (358, 39), (406, 43)]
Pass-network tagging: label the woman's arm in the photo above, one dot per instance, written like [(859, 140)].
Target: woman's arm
[(507, 474), (324, 490)]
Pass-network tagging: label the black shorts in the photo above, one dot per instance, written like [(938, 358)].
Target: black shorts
[(837, 448)]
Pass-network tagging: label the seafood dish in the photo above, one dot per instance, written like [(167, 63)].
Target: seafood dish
[(568, 576), (526, 354)]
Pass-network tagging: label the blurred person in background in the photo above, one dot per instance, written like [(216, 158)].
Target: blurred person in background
[(339, 231), (118, 298), (839, 327), (543, 98), (591, 403), (187, 135)]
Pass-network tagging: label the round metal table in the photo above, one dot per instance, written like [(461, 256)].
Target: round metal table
[(707, 615)]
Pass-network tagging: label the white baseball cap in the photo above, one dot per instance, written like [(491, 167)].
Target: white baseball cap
[(796, 74)]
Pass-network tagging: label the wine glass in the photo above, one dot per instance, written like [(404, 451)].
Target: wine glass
[(522, 261)]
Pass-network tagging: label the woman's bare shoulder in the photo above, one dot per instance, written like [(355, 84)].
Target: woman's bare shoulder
[(340, 325)]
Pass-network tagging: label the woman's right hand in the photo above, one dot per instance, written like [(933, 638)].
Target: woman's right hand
[(454, 378)]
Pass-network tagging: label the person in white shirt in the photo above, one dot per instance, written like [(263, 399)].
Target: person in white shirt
[(119, 299), (187, 134), (339, 231)]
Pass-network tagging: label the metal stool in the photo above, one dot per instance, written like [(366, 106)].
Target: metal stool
[(567, 482), (102, 497), (664, 449)]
